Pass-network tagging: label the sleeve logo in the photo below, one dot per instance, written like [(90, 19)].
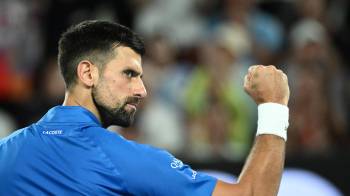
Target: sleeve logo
[(176, 163)]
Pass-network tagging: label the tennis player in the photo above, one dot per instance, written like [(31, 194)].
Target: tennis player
[(69, 151)]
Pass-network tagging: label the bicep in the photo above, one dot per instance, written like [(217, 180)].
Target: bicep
[(227, 189)]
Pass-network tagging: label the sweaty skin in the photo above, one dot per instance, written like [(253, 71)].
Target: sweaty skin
[(262, 171)]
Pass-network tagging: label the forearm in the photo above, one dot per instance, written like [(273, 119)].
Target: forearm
[(263, 169), (262, 172)]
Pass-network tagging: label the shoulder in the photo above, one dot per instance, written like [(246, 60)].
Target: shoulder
[(117, 145), (126, 154), (19, 134)]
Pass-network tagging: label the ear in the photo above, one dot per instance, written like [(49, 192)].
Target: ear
[(87, 73)]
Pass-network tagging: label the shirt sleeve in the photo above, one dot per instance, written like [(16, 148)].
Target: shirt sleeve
[(161, 173), (146, 170)]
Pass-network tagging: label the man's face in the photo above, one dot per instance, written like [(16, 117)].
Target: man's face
[(119, 88)]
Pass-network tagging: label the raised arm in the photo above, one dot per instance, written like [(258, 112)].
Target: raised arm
[(262, 171)]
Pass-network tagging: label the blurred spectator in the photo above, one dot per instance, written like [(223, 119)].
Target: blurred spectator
[(312, 9), (266, 32), (218, 112), (161, 120), (316, 81), (333, 15), (48, 91), (21, 47), (178, 21)]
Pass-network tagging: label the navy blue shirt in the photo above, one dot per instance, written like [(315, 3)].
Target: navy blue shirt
[(67, 152)]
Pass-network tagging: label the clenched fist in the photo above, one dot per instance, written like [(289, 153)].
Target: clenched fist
[(267, 84)]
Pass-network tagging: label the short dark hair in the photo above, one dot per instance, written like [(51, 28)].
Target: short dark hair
[(94, 41)]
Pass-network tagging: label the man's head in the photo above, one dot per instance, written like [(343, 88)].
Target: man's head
[(104, 59)]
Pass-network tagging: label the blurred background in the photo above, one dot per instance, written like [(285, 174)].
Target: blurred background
[(197, 54)]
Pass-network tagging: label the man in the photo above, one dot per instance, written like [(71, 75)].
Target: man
[(68, 152)]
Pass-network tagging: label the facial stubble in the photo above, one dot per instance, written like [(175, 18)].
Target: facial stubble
[(116, 115)]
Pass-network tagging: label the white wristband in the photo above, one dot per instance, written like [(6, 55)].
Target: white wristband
[(273, 119)]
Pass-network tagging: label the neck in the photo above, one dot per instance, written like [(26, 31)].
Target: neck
[(83, 99)]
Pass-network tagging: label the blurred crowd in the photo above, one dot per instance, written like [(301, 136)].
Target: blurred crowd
[(198, 52)]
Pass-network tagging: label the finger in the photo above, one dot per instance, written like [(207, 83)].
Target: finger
[(252, 72), (246, 82), (253, 67), (248, 76), (271, 66), (246, 79), (284, 76)]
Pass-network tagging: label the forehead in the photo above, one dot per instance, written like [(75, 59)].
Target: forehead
[(125, 57)]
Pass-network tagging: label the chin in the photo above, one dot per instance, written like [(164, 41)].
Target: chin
[(120, 119)]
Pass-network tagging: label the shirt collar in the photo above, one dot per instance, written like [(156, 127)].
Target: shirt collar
[(69, 114)]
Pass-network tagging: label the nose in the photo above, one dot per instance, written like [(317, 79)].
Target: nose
[(140, 90)]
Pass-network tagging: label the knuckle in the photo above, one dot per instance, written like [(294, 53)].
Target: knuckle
[(252, 68), (246, 78)]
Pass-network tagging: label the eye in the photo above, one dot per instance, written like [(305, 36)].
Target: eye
[(130, 73)]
